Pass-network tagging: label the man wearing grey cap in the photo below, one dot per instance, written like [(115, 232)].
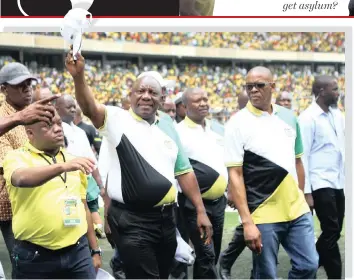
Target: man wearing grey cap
[(16, 85)]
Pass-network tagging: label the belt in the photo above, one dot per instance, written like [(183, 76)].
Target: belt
[(212, 202), (30, 245), (163, 208)]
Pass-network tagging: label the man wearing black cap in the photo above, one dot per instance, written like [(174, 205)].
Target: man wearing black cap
[(16, 85)]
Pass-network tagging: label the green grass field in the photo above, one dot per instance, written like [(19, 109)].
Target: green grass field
[(241, 269)]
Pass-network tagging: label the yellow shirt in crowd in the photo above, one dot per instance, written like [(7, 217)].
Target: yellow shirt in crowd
[(38, 212)]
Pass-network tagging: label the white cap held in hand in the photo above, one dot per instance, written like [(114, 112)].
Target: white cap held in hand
[(74, 24)]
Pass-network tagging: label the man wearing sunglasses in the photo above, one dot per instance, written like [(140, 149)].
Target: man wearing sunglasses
[(263, 149)]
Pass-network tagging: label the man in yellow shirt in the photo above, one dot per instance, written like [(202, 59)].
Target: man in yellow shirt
[(51, 221)]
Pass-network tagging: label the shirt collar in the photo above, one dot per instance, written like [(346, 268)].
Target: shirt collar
[(140, 119), (192, 124), (30, 147), (316, 109), (258, 113), (8, 108)]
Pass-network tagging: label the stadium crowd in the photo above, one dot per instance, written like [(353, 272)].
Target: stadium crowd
[(277, 41), (223, 83)]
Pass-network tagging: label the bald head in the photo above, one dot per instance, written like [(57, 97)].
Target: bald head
[(284, 99), (169, 107), (320, 83), (263, 72), (325, 89), (66, 107), (197, 104), (242, 100), (189, 93), (43, 92), (46, 138), (259, 87)]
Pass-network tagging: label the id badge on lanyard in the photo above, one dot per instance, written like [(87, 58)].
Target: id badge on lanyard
[(71, 204), (71, 211)]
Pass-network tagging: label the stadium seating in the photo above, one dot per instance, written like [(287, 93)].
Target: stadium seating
[(279, 41), (222, 83)]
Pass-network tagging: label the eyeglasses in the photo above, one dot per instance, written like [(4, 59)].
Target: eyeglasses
[(258, 86)]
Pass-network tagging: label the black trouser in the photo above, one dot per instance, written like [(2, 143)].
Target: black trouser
[(31, 261), (206, 255), (145, 238), (180, 270), (329, 205), (6, 230), (235, 248)]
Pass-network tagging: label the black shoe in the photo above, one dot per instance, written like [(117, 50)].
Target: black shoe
[(224, 273), (181, 276), (118, 272)]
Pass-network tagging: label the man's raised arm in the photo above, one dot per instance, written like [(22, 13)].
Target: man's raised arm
[(89, 106)]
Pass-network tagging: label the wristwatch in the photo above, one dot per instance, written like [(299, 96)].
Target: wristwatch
[(98, 251)]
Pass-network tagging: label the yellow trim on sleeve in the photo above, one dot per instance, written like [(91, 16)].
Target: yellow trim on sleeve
[(105, 118), (183, 172), (299, 155), (234, 164)]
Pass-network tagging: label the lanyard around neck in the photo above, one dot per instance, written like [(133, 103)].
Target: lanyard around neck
[(55, 161)]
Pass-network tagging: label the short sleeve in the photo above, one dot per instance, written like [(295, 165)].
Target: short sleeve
[(299, 149), (234, 145), (182, 165), (14, 160), (112, 127), (83, 185), (104, 159)]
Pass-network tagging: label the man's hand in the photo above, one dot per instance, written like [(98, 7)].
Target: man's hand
[(205, 227), (40, 111), (309, 199), (252, 237), (107, 231), (75, 67), (97, 261), (229, 200), (86, 165), (102, 192)]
